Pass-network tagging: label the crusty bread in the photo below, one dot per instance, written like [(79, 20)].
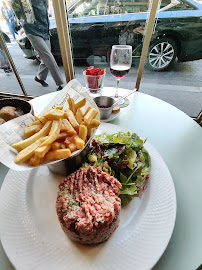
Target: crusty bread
[(8, 112), (116, 109), (2, 121)]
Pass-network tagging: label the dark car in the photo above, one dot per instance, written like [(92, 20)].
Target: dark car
[(97, 25)]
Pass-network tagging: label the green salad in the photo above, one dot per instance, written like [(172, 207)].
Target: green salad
[(122, 155)]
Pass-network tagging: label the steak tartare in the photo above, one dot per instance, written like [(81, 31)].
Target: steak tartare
[(88, 205)]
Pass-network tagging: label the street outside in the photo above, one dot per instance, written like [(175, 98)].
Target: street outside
[(180, 85)]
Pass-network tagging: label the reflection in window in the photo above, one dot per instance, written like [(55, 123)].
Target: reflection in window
[(176, 5), (105, 7)]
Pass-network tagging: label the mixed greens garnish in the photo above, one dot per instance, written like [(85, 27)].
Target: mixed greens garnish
[(122, 155)]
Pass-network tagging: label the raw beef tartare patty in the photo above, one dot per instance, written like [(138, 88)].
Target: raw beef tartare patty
[(88, 205)]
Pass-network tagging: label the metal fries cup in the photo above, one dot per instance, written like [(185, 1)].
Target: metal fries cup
[(71, 164)]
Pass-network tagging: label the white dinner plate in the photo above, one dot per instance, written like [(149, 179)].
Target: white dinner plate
[(33, 239)]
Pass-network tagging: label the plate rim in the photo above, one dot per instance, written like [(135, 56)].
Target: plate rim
[(174, 212)]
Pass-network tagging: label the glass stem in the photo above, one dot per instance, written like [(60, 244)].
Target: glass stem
[(117, 88)]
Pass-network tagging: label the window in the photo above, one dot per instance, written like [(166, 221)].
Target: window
[(176, 5), (97, 25)]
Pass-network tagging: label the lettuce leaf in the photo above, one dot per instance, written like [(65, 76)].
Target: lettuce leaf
[(122, 155)]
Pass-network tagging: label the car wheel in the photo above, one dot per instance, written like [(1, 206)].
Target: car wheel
[(161, 54)]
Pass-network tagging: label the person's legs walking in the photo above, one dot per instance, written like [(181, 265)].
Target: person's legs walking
[(42, 71), (53, 66), (42, 74), (48, 61), (11, 29)]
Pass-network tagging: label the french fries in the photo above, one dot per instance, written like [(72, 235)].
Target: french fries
[(43, 132), (26, 153), (83, 132), (90, 116), (31, 130), (66, 126), (72, 119), (43, 120), (42, 150), (36, 122), (58, 154), (34, 160), (55, 146), (54, 132), (94, 123), (72, 147), (79, 142), (62, 135), (57, 133), (80, 104), (54, 114), (71, 105), (60, 107), (79, 116)]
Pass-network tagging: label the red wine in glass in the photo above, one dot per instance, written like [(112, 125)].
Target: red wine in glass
[(120, 64), (119, 71)]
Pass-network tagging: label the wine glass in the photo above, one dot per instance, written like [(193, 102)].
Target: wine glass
[(120, 64)]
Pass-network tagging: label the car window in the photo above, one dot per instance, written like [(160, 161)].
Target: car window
[(184, 6), (121, 7), (105, 7), (88, 8), (176, 5)]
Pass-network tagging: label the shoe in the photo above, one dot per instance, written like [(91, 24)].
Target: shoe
[(60, 88), (7, 69), (43, 83)]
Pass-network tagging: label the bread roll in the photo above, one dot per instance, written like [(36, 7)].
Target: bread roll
[(2, 121), (116, 109), (8, 112)]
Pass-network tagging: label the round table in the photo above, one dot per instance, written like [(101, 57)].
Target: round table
[(178, 139)]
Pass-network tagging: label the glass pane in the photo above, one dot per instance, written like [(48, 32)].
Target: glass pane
[(33, 46), (97, 25), (173, 65)]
